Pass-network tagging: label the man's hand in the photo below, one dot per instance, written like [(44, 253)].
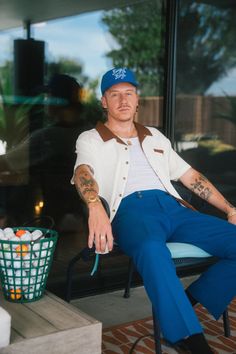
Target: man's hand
[(100, 230)]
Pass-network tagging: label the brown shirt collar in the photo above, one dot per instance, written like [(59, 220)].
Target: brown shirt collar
[(106, 134)]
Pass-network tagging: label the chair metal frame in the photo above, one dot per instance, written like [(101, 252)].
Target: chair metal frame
[(185, 266)]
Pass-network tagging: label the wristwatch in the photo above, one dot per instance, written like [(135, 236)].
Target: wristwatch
[(93, 199)]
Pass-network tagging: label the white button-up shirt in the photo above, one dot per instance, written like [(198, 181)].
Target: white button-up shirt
[(109, 157)]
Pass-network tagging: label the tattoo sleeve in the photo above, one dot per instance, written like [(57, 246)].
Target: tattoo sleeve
[(85, 183), (201, 188)]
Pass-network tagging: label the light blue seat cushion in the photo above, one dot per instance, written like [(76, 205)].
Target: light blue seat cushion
[(177, 250), (185, 250)]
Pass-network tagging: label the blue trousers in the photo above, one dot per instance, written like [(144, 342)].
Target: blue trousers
[(144, 222)]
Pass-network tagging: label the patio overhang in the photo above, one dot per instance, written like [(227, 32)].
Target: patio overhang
[(16, 13)]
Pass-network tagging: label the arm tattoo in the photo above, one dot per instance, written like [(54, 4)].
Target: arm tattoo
[(86, 183), (87, 190), (199, 187), (203, 178)]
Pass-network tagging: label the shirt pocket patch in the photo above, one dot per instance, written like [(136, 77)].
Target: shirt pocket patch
[(159, 151)]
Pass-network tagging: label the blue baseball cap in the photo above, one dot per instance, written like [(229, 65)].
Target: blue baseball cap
[(116, 76)]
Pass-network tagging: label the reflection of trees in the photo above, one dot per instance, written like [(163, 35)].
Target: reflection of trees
[(206, 44), (14, 118), (138, 31), (14, 111), (67, 66), (206, 48), (6, 71), (63, 65)]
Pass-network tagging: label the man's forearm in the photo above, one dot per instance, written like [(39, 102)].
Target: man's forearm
[(202, 187), (85, 184), (100, 232)]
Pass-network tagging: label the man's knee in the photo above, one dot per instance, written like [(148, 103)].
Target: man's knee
[(152, 253)]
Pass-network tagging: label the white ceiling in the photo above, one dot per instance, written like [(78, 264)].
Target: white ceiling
[(14, 13)]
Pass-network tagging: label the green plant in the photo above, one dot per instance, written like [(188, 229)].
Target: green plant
[(14, 118)]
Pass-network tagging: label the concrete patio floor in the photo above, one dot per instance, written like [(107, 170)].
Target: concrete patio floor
[(113, 309)]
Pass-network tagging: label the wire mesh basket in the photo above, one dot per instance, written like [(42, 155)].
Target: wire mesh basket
[(26, 255)]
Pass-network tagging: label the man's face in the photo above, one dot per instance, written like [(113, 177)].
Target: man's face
[(121, 102)]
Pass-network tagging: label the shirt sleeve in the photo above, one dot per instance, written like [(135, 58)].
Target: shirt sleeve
[(85, 153), (177, 165)]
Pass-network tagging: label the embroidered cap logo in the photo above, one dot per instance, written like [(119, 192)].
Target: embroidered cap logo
[(119, 73)]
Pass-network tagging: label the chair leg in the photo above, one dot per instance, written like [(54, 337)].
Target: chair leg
[(226, 323), (157, 334), (129, 280)]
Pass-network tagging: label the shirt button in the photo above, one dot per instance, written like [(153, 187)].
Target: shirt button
[(113, 210), (124, 177), (126, 148), (120, 195), (127, 162)]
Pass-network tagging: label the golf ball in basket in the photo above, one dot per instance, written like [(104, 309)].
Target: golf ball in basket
[(36, 234), (26, 237)]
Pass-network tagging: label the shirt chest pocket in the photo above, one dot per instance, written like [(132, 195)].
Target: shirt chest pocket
[(158, 153), (155, 154), (159, 160)]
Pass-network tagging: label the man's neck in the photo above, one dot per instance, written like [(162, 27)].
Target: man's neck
[(121, 128)]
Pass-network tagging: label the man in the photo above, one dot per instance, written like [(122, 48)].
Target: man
[(131, 167), (52, 148), (49, 153)]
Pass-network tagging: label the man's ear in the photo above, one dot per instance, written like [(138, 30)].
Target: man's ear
[(103, 101)]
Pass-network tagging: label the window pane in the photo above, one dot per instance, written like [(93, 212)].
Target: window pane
[(43, 113), (206, 91)]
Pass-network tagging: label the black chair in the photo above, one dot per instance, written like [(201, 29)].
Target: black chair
[(188, 259), (192, 261)]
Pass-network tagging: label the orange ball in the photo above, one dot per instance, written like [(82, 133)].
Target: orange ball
[(20, 233), (22, 250), (15, 294)]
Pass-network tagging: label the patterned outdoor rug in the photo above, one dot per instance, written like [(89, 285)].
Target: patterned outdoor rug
[(119, 339)]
